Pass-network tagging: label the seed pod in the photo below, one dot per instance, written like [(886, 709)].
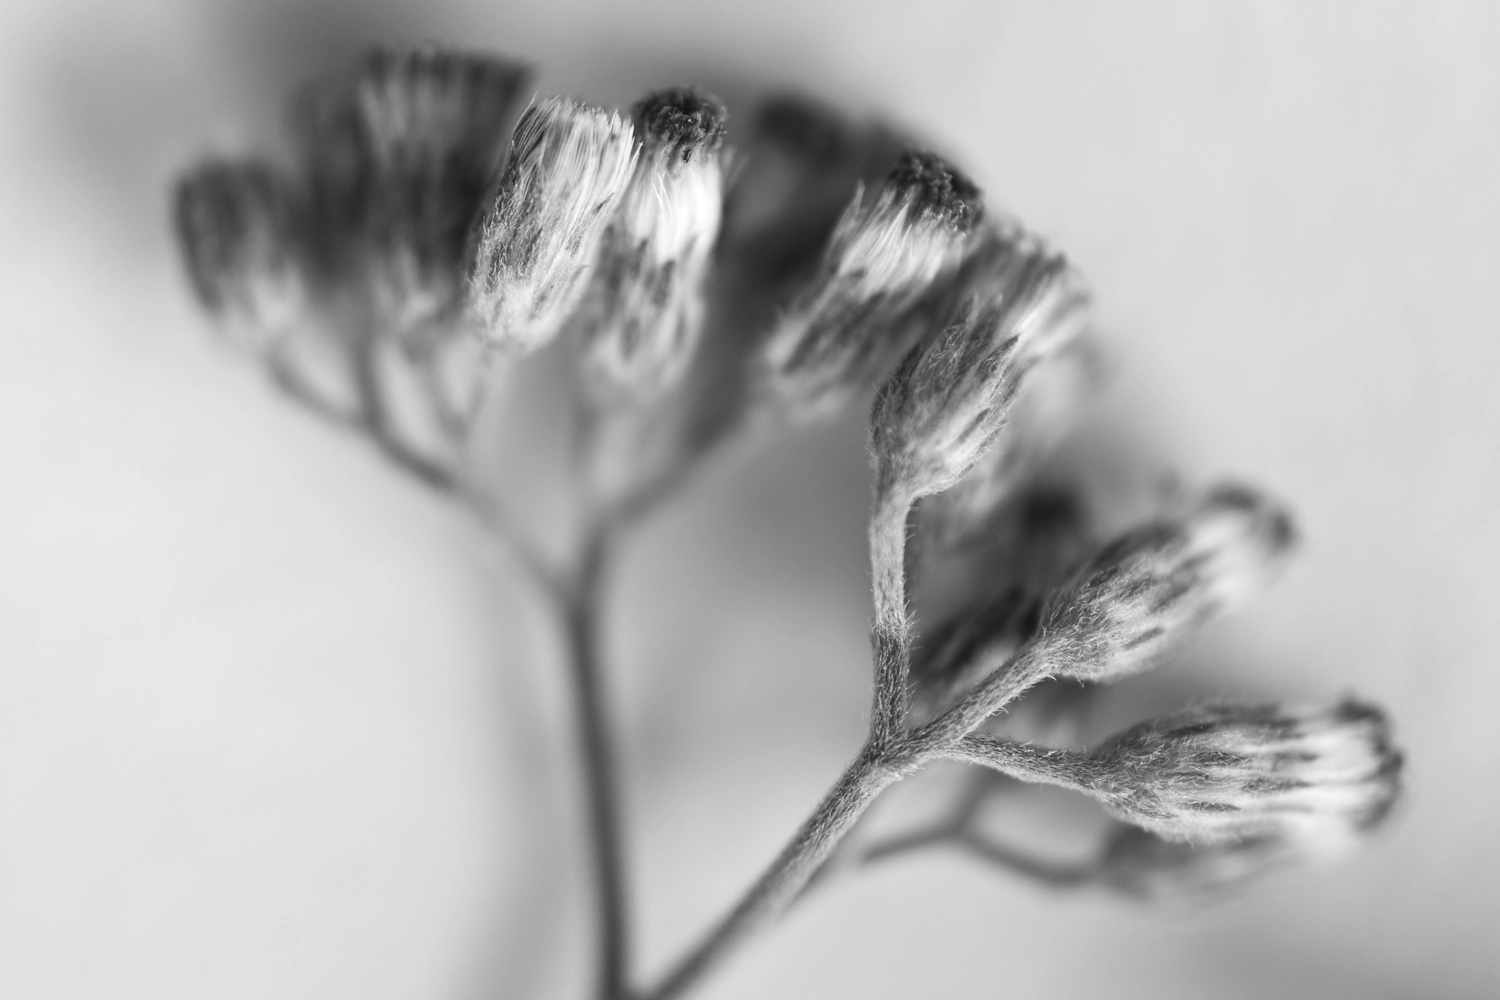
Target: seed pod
[(1315, 777), (1155, 585), (433, 122), (883, 255), (950, 397), (645, 303), (569, 164), (238, 229)]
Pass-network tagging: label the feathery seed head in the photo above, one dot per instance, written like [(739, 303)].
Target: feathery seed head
[(568, 166), (951, 395), (882, 256), (1151, 587), (238, 228), (645, 303), (1318, 777)]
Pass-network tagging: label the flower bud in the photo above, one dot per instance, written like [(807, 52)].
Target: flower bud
[(433, 122), (238, 228), (883, 255), (1046, 407), (1317, 778), (950, 397), (1155, 585), (645, 302), (569, 164)]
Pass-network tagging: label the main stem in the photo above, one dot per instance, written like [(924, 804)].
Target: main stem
[(798, 862), (601, 801)]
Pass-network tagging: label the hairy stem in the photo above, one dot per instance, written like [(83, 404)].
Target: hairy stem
[(1024, 762), (581, 609), (891, 636), (1007, 683), (799, 861)]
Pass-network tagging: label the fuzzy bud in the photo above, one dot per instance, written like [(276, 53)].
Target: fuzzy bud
[(1317, 778), (434, 123), (882, 256), (569, 165), (1046, 407), (646, 300), (1155, 585), (948, 400), (237, 227)]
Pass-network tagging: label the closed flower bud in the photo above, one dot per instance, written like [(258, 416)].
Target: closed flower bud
[(1316, 778), (569, 164), (645, 302), (1153, 586), (947, 401), (883, 255), (238, 229), (434, 123), (1046, 407)]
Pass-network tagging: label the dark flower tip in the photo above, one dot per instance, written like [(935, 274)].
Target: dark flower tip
[(939, 188), (686, 119)]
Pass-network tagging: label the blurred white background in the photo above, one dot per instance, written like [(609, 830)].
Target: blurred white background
[(273, 722)]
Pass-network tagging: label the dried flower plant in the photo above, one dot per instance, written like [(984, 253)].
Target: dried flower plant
[(407, 232)]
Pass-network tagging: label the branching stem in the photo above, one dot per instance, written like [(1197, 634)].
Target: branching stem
[(781, 884)]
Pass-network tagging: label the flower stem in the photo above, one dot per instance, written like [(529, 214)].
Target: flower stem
[(581, 609), (799, 861), (891, 635)]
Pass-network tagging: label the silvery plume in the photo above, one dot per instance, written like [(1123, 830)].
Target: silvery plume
[(645, 303), (948, 400), (883, 255), (569, 164), (433, 122), (239, 230), (1315, 777), (1153, 586)]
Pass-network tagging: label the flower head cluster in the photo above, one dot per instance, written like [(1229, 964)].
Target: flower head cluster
[(825, 266)]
